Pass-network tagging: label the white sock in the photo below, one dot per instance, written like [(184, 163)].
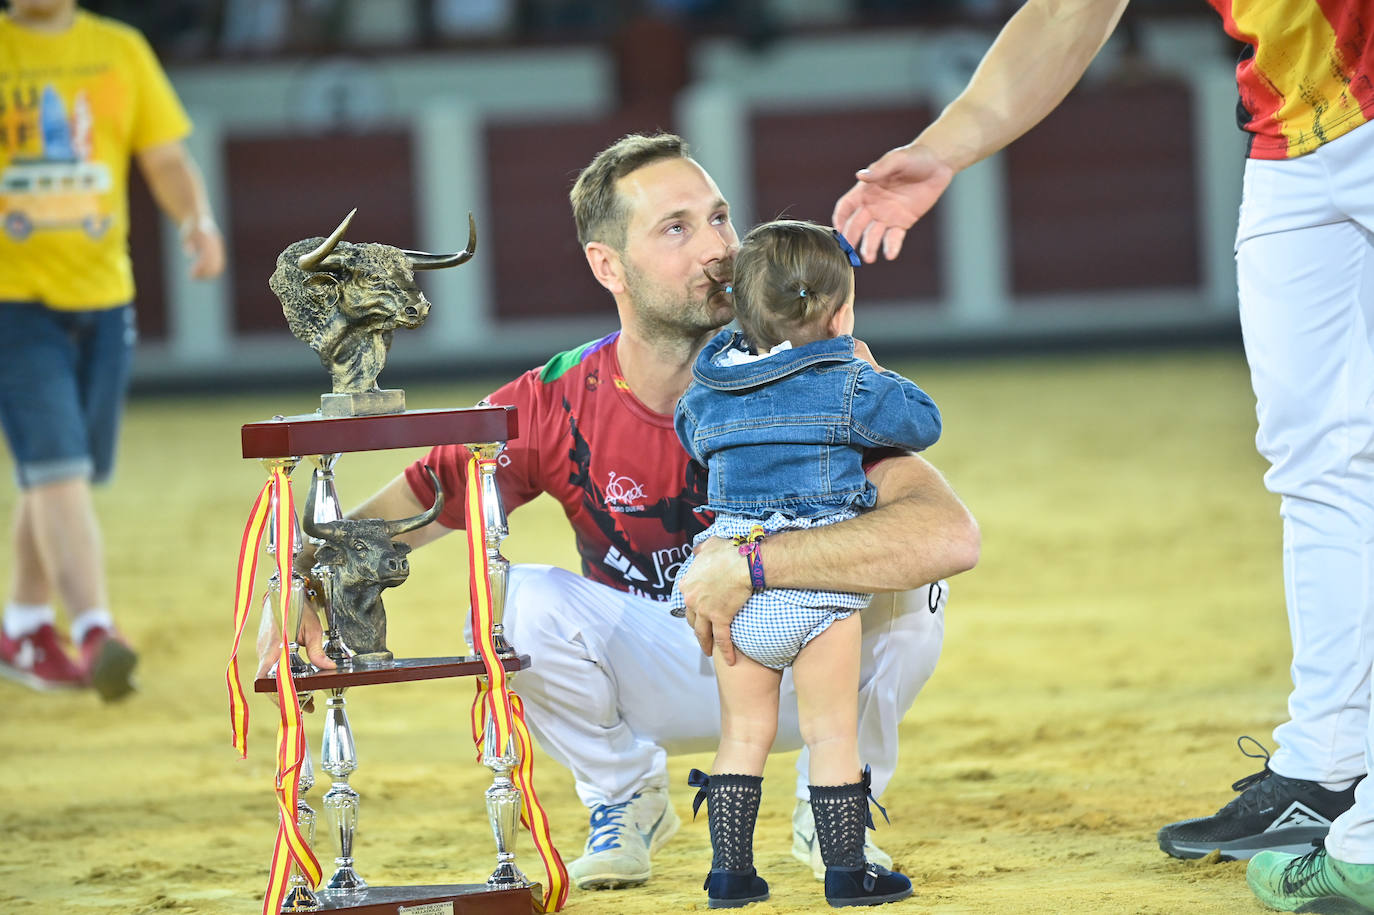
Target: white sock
[(25, 619), (99, 618)]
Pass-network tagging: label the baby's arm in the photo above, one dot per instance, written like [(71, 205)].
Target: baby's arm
[(891, 411)]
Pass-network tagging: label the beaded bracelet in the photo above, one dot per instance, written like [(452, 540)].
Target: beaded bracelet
[(749, 548)]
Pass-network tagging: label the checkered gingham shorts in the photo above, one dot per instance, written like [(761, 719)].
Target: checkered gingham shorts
[(775, 624)]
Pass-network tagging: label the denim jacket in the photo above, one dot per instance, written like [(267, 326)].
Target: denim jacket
[(787, 433)]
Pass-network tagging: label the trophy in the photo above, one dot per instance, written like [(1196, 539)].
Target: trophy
[(345, 300)]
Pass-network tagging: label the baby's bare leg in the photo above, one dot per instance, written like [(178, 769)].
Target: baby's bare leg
[(826, 674)]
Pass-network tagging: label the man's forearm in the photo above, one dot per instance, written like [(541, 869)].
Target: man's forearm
[(1037, 58), (176, 185), (919, 532)]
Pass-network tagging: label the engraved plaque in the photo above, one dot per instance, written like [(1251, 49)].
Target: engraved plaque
[(428, 908)]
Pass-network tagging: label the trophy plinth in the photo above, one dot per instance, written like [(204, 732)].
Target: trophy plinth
[(368, 403), (451, 899)]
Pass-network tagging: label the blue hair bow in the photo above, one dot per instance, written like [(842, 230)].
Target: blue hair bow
[(847, 248)]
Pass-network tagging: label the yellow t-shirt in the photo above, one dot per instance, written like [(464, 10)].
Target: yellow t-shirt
[(73, 108)]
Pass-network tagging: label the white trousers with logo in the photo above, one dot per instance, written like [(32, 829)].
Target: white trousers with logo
[(617, 683), (1305, 262)]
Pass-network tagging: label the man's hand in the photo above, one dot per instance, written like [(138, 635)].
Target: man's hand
[(890, 195), (311, 637), (714, 589), (204, 247)]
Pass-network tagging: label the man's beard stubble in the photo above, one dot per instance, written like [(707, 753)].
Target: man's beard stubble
[(667, 317)]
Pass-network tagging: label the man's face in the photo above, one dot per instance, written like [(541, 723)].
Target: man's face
[(678, 249)]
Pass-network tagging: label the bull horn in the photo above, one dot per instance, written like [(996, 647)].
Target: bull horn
[(323, 531), (419, 260), (311, 262), (409, 524)]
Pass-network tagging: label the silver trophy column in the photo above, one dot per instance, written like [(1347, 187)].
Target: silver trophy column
[(338, 753), (339, 757), (503, 797), (327, 508)]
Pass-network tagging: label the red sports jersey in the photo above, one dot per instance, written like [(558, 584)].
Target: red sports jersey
[(617, 468), (1305, 78)]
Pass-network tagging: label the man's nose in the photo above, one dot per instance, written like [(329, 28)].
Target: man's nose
[(715, 248)]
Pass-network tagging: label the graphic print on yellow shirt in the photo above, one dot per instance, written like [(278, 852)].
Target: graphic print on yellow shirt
[(74, 107)]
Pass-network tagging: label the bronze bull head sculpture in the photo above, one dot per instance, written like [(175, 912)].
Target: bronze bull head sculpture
[(364, 560), (346, 299)]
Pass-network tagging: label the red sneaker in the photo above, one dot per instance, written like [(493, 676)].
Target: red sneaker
[(109, 663), (39, 661)]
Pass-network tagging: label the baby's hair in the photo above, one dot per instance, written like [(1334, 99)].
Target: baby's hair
[(789, 277)]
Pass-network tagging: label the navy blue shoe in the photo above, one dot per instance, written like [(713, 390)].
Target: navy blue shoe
[(867, 885), (732, 889)]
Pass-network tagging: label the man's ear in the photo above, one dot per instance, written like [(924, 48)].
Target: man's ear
[(606, 267)]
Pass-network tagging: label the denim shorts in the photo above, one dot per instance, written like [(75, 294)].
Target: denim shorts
[(63, 377)]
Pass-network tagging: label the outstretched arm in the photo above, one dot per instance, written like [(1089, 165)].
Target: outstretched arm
[(1037, 58), (918, 532)]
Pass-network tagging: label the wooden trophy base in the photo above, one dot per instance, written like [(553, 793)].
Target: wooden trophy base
[(452, 899), (398, 670), (298, 436)]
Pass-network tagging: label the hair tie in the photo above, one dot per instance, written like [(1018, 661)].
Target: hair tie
[(802, 292)]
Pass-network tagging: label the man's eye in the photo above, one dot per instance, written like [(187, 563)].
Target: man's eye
[(720, 219), (675, 229)]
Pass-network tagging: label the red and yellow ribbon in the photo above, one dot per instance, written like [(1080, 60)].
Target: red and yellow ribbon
[(495, 699), (291, 847), (243, 595)]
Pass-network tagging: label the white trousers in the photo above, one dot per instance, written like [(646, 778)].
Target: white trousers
[(1305, 262), (617, 683)]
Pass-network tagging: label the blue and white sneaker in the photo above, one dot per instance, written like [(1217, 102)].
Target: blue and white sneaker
[(622, 838), (807, 850)]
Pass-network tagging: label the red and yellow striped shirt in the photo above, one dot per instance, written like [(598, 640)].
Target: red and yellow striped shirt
[(1306, 77)]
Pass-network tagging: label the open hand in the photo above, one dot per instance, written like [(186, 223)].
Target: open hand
[(890, 195)]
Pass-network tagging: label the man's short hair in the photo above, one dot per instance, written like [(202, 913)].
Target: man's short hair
[(598, 209)]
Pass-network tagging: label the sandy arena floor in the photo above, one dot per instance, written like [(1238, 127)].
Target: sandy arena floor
[(1125, 625)]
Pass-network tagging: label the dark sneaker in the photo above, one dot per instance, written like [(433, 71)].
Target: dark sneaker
[(1271, 812), (867, 885), (1314, 882), (109, 663), (38, 660)]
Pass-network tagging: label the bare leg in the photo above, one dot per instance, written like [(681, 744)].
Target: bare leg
[(58, 547), (826, 674), (748, 714), (29, 584)]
